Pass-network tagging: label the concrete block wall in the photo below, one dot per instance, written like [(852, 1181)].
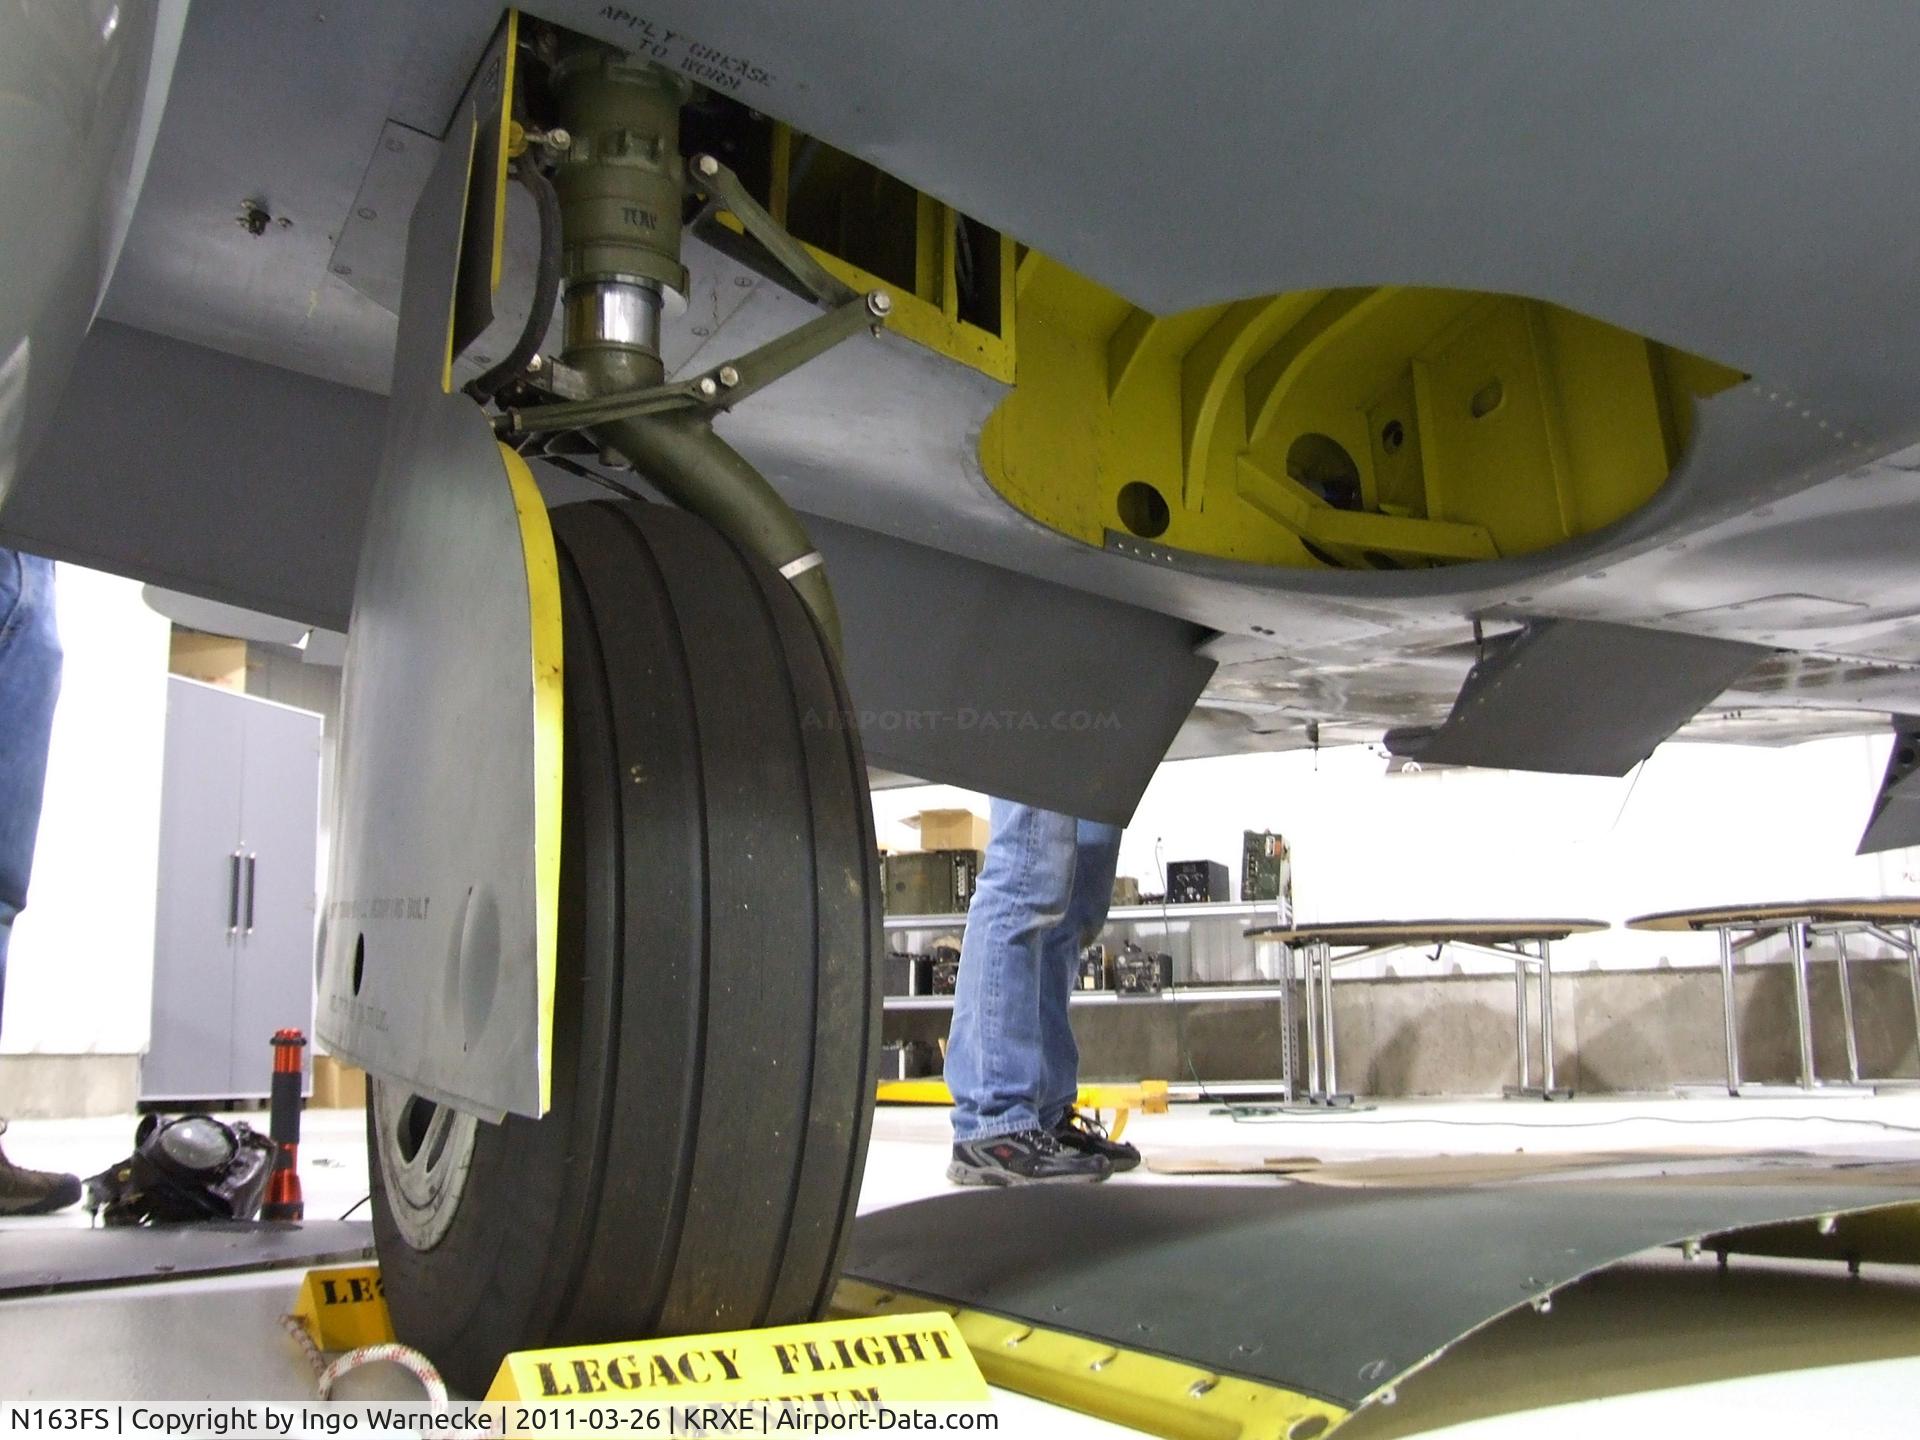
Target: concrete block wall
[(1614, 1031), (41, 1087)]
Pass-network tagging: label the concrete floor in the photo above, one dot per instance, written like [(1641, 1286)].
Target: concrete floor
[(1655, 1347)]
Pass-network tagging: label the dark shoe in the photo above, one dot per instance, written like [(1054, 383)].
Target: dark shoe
[(1026, 1157), (34, 1192), (1083, 1133)]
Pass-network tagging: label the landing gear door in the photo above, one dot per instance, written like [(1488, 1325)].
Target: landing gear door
[(437, 939)]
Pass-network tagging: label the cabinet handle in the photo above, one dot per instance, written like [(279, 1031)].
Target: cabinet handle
[(233, 893), (251, 858)]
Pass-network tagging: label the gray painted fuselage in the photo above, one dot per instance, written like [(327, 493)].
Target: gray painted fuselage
[(1723, 177)]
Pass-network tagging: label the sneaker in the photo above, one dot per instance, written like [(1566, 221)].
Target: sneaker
[(1026, 1157), (33, 1192), (1085, 1134)]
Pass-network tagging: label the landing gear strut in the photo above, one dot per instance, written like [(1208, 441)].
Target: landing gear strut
[(716, 1011)]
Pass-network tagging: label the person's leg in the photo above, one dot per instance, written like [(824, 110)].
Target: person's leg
[(996, 1060), (1096, 853), (995, 1063), (29, 685)]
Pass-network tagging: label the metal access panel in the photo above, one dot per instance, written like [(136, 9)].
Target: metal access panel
[(1895, 819), (64, 1259), (1579, 697), (968, 674), (1331, 1296), (437, 956)]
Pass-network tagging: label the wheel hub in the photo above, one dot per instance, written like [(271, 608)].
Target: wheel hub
[(426, 1150)]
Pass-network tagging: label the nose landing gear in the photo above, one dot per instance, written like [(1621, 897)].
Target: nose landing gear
[(714, 1001)]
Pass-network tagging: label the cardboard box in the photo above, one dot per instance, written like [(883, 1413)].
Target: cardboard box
[(951, 830), (337, 1085), (214, 659)]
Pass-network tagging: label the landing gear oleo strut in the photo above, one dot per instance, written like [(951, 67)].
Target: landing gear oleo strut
[(622, 1078)]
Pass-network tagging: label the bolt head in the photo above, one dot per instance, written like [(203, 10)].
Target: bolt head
[(559, 139), (706, 387), (534, 365), (729, 376), (879, 303), (706, 165)]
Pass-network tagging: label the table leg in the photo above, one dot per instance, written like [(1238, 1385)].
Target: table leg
[(1286, 1023), (1326, 1012), (1520, 1021), (1913, 978), (1802, 1007), (1727, 1005), (1546, 1018), (1313, 1024), (1846, 1009)]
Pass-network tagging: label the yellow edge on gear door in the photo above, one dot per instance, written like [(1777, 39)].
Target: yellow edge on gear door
[(543, 609), (510, 59)]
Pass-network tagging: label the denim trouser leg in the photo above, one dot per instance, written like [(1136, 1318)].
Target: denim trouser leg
[(29, 684), (1009, 1048), (1097, 852), (994, 1063)]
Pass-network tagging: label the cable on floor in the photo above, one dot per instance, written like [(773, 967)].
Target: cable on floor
[(390, 1353)]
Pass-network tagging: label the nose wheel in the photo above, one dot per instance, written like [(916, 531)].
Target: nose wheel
[(717, 1007)]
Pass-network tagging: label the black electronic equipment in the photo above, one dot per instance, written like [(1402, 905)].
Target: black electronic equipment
[(1194, 882), (1093, 969), (907, 975), (1137, 971), (192, 1167), (945, 967)]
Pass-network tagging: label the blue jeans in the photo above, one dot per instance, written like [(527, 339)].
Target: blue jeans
[(29, 684), (1042, 897)]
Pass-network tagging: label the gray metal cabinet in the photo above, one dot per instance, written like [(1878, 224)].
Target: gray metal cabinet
[(233, 943)]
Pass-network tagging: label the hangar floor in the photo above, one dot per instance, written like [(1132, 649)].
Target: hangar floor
[(1656, 1346)]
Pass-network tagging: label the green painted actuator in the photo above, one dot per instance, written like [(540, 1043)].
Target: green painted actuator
[(623, 178), (620, 188)]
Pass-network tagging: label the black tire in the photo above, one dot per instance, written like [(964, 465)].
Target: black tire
[(717, 1008)]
